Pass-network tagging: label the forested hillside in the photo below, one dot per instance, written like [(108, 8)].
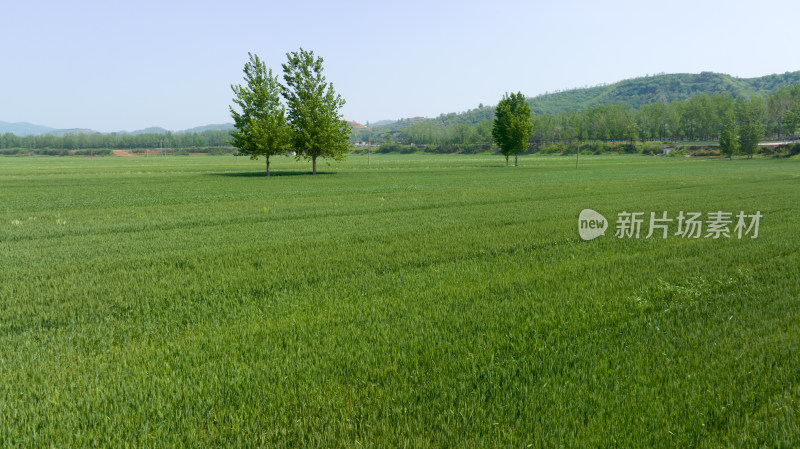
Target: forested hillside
[(662, 107), (661, 89)]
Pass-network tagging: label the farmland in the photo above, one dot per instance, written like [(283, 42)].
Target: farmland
[(421, 301)]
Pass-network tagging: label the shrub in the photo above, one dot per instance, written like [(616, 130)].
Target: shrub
[(651, 148), (678, 152), (705, 151), (551, 149), (388, 148)]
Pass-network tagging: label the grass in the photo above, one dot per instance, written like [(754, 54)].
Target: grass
[(422, 301)]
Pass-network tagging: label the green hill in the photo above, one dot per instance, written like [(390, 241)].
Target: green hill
[(660, 89), (664, 88)]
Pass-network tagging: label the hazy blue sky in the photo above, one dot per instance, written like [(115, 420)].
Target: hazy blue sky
[(112, 66)]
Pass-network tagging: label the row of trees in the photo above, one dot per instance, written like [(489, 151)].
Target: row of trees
[(205, 139), (741, 129), (309, 124), (312, 126), (699, 118), (741, 123), (473, 126)]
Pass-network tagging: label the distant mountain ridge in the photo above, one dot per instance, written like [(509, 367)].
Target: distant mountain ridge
[(197, 129), (30, 129), (150, 130)]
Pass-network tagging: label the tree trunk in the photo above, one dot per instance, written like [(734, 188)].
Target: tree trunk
[(267, 165), (515, 160), (506, 160), (314, 165), (577, 156)]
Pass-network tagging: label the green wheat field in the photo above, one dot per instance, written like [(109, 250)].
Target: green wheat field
[(420, 301)]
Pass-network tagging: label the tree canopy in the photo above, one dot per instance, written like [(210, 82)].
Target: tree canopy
[(318, 129), (512, 125), (260, 127), (750, 114), (728, 138)]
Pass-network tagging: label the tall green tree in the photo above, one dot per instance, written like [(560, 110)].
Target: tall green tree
[(750, 134), (728, 138), (791, 121), (260, 124), (318, 129), (512, 125), (778, 104), (751, 130)]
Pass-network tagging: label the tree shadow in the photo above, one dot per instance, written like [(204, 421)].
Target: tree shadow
[(261, 174)]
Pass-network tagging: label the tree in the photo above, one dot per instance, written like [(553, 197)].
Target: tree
[(512, 125), (260, 127), (750, 133), (728, 140), (791, 121), (750, 115), (778, 104), (318, 130), (463, 133), (630, 135)]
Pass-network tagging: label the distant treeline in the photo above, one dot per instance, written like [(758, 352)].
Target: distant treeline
[(70, 143), (699, 118)]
